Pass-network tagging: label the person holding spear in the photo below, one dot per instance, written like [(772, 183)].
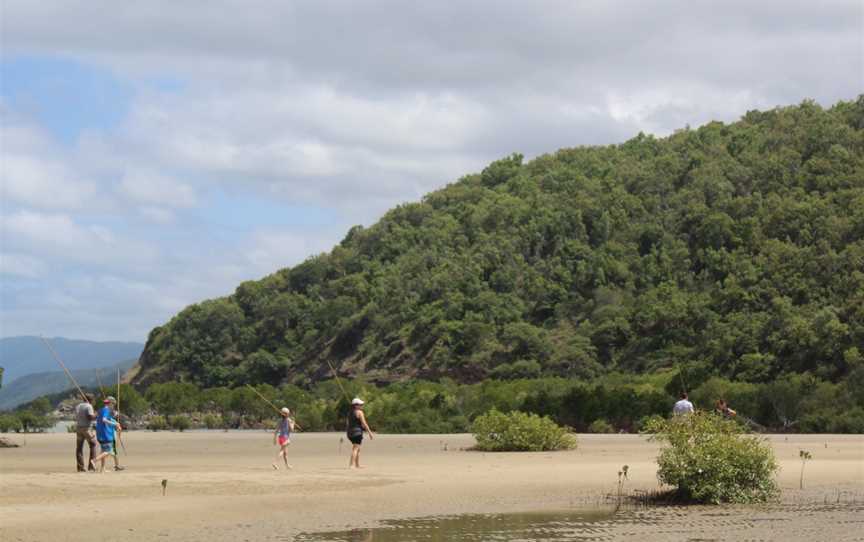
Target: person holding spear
[(119, 435), (84, 418), (282, 435), (115, 413), (355, 427), (106, 426)]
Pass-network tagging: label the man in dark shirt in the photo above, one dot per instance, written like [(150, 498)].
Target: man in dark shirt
[(84, 418)]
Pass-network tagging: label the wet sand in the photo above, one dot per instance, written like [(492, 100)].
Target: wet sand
[(221, 486)]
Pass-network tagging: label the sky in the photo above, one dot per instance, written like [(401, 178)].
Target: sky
[(156, 154)]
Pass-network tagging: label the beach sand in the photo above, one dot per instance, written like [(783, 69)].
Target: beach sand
[(221, 486)]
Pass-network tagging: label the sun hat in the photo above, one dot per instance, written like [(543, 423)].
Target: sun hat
[(285, 410), (357, 401)]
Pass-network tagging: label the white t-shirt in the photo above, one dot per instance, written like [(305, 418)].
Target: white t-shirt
[(84, 416), (682, 407)]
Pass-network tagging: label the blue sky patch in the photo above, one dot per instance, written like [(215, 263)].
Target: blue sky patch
[(65, 96)]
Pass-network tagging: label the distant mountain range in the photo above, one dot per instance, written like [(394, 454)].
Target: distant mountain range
[(29, 387), (21, 356)]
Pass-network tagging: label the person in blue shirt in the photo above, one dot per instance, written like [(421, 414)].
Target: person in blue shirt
[(106, 425)]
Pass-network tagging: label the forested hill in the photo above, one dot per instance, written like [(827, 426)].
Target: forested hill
[(734, 249)]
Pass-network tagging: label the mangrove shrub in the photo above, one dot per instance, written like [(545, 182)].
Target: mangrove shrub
[(519, 432), (710, 460)]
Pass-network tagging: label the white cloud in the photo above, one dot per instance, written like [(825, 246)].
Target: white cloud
[(158, 215), (149, 187), (42, 183), (59, 237), (22, 265), (416, 121), (34, 172), (50, 229), (272, 250), (348, 145), (662, 110)]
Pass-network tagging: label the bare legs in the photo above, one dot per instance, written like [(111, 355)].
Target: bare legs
[(101, 458), (354, 462), (283, 453), (117, 456)]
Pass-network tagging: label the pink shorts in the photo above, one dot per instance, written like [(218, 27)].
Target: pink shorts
[(283, 440)]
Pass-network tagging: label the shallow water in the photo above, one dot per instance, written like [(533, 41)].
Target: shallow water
[(687, 523), (535, 526)]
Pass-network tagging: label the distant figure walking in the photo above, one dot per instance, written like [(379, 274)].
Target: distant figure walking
[(722, 408), (282, 435), (106, 426), (683, 406), (84, 418), (356, 426)]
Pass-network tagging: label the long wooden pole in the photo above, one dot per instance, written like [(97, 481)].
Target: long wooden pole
[(345, 393), (681, 377), (120, 434), (277, 409), (99, 381), (117, 404), (69, 374)]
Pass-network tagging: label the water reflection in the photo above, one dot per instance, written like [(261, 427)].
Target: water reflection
[(534, 526), (789, 522)]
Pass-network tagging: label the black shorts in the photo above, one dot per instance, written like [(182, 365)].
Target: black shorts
[(356, 438)]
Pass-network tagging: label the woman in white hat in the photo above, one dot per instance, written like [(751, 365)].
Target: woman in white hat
[(282, 435), (356, 425)]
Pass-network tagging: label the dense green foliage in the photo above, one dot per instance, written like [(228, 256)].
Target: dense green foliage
[(157, 423), (709, 460), (519, 432), (32, 418), (613, 402), (417, 406), (10, 423), (600, 426), (735, 249), (180, 422)]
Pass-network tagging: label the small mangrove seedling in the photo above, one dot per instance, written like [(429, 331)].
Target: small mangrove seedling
[(805, 456), (622, 476)]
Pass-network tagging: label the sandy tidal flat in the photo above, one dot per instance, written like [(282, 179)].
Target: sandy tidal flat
[(221, 486)]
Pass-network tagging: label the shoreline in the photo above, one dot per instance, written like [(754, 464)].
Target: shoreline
[(221, 485)]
